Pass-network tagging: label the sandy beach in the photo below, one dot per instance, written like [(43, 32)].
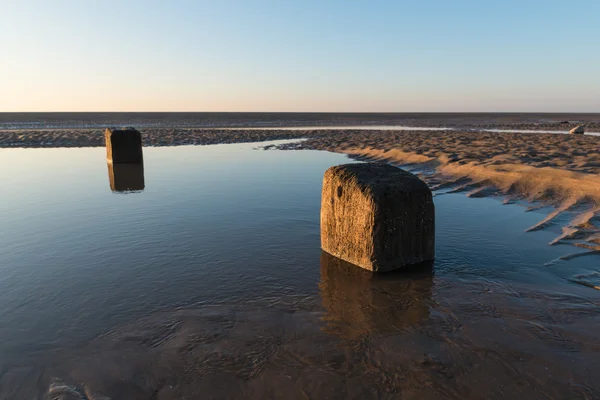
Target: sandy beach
[(552, 169)]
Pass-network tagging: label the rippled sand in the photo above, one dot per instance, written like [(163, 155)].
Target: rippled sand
[(560, 170), (395, 336)]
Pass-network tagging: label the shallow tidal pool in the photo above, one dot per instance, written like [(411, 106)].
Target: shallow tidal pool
[(201, 275)]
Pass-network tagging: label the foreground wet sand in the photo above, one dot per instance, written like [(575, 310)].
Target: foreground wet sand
[(408, 335)]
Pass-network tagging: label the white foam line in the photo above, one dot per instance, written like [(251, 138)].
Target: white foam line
[(533, 131), (336, 127)]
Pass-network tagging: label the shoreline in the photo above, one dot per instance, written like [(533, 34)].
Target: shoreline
[(67, 137), (554, 169), (204, 120), (562, 171)]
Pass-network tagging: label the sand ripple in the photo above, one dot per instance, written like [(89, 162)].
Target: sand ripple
[(559, 170), (421, 337)]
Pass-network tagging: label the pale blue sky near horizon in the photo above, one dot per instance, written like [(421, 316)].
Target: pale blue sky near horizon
[(403, 56)]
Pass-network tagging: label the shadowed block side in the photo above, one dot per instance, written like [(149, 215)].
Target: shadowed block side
[(126, 177), (377, 216), (123, 146)]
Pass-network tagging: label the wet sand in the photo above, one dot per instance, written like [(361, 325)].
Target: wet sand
[(559, 170), (468, 121), (34, 138), (170, 136), (395, 336)]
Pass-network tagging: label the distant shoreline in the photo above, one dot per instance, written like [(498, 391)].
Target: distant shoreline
[(558, 170), (99, 120), (173, 136)]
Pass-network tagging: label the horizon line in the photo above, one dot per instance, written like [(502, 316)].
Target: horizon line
[(303, 112)]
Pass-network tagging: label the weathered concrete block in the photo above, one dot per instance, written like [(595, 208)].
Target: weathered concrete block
[(123, 146), (126, 177), (377, 216)]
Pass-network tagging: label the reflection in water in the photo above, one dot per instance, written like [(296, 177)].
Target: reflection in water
[(126, 177), (476, 340), (218, 297), (360, 303)]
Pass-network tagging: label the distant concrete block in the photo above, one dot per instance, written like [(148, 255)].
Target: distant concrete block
[(578, 130), (126, 177), (376, 216), (123, 146)]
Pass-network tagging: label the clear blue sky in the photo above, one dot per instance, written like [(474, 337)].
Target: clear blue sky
[(285, 55)]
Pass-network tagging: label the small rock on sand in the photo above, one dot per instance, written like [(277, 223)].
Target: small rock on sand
[(578, 130), (58, 390)]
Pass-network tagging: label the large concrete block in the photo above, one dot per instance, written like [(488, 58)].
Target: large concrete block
[(126, 177), (123, 146), (376, 216)]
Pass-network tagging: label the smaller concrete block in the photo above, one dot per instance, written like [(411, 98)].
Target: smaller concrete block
[(578, 130), (376, 216), (123, 146), (126, 177)]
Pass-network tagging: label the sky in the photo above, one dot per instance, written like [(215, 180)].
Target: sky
[(300, 55)]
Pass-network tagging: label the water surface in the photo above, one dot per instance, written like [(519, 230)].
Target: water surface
[(204, 275)]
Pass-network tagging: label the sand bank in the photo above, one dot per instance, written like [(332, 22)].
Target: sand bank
[(559, 170), (35, 138), (170, 136)]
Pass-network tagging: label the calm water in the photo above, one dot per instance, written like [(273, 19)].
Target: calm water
[(207, 280)]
